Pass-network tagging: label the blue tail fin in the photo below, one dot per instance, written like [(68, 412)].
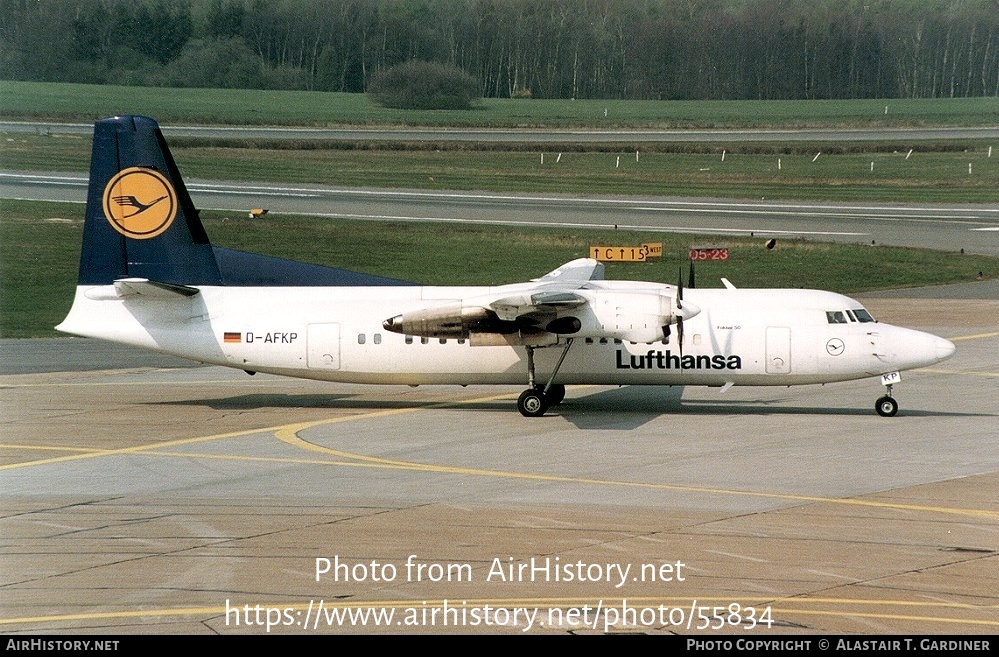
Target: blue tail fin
[(140, 220)]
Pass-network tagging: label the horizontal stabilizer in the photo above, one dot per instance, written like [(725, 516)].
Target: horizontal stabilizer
[(143, 287)]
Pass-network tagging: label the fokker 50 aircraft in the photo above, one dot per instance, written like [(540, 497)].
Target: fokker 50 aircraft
[(149, 277)]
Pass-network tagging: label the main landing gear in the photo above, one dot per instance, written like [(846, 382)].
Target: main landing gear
[(537, 399), (886, 406)]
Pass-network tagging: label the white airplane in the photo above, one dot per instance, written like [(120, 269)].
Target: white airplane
[(149, 277)]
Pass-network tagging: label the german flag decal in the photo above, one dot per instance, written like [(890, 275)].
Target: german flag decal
[(230, 337)]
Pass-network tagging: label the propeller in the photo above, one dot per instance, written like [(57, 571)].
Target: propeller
[(681, 312), (679, 288), (679, 306)]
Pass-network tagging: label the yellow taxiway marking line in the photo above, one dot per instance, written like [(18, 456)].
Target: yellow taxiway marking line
[(361, 461), (936, 370), (51, 448), (547, 603), (978, 336), (145, 448), (292, 438), (295, 427)]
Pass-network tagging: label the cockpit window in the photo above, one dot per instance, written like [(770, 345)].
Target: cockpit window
[(862, 315), (849, 315)]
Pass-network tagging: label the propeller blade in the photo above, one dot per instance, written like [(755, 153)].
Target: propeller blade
[(690, 277), (679, 288), (679, 307)]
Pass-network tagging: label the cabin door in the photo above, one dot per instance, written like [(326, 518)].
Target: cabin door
[(778, 350)]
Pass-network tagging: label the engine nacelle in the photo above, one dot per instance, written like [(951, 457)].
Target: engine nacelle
[(449, 322), (628, 316)]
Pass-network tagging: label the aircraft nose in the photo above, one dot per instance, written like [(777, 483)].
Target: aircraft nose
[(944, 348)]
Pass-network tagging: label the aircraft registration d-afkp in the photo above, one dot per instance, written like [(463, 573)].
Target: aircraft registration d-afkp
[(150, 277)]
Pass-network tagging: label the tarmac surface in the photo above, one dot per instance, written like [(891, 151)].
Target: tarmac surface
[(142, 496)]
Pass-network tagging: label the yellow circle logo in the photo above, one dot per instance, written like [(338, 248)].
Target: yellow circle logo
[(140, 203)]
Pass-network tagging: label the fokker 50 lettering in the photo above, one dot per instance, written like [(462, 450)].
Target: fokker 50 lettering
[(150, 277)]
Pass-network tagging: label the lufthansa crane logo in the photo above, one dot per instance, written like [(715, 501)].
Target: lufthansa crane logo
[(140, 203)]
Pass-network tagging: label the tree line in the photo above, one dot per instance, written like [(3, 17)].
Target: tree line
[(633, 49)]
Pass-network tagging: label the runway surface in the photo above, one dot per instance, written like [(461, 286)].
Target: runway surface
[(974, 228), (144, 497)]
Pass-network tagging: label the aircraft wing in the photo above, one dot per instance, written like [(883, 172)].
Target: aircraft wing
[(554, 292), (562, 302), (543, 302), (577, 272), (510, 309)]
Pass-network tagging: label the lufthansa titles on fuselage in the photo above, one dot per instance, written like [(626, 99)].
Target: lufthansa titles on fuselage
[(654, 359)]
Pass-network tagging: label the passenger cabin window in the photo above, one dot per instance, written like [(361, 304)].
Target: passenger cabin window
[(835, 317), (361, 338)]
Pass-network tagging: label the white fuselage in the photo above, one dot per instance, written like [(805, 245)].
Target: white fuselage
[(740, 337)]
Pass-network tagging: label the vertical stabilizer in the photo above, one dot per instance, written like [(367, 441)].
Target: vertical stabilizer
[(140, 221)]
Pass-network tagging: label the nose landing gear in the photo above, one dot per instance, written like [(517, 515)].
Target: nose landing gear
[(886, 406)]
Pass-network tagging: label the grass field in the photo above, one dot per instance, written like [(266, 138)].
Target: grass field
[(77, 102), (40, 242)]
